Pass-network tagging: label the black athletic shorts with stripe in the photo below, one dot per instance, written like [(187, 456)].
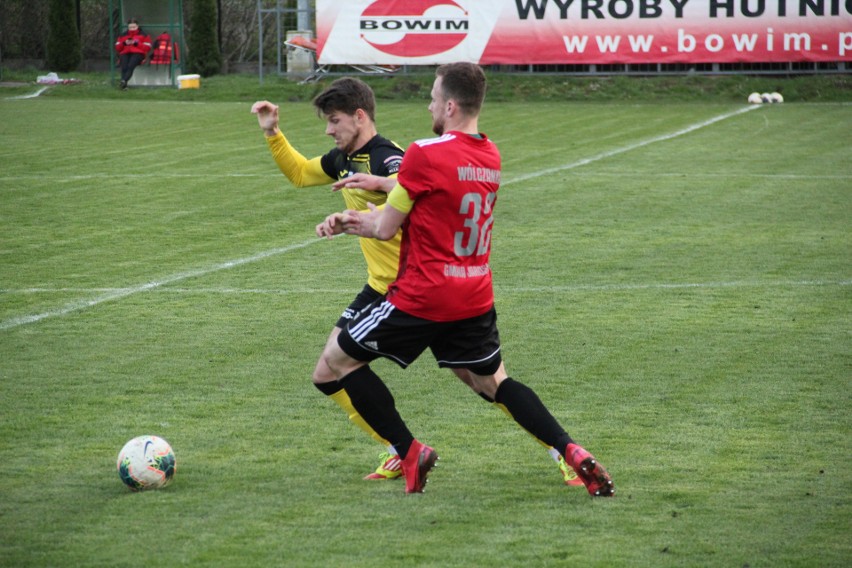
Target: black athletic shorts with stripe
[(383, 330), (364, 298)]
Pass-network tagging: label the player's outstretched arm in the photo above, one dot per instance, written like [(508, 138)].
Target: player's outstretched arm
[(366, 181), (382, 224)]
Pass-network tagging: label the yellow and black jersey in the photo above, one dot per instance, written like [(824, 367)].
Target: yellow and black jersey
[(379, 156)]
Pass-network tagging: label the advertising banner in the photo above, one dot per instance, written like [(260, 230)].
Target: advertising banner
[(425, 32)]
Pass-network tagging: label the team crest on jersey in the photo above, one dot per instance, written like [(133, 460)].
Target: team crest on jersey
[(392, 163)]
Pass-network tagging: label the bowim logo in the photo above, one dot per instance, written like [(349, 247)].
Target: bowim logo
[(414, 28)]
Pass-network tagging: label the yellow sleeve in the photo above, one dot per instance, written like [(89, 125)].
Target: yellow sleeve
[(399, 200), (301, 171)]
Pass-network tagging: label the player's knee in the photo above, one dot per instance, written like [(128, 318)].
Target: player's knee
[(322, 372), (486, 386)]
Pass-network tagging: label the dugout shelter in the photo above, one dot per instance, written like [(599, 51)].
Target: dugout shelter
[(163, 21)]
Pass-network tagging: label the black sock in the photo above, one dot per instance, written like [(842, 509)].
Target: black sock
[(528, 411), (486, 397), (374, 402), (329, 388)]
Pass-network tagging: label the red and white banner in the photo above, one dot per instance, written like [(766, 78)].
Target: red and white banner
[(425, 32)]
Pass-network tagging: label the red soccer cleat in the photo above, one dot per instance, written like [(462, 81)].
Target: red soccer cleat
[(416, 465), (596, 479)]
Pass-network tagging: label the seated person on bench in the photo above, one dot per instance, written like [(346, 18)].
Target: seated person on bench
[(132, 48)]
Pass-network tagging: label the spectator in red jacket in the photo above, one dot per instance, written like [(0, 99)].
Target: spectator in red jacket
[(132, 49)]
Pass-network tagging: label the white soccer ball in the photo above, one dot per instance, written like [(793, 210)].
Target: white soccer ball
[(755, 99), (766, 97), (146, 462), (776, 97)]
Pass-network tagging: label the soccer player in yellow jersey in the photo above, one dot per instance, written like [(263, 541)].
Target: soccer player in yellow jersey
[(348, 107)]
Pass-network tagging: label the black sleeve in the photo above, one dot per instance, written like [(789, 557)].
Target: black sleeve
[(386, 159), (332, 163)]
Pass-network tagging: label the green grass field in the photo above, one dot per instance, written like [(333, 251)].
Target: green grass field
[(674, 280)]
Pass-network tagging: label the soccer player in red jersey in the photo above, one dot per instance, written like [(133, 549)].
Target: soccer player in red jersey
[(442, 298)]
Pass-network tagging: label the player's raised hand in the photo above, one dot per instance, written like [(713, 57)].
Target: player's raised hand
[(267, 116)]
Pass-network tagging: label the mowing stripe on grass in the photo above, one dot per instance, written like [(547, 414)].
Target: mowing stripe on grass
[(497, 287), (207, 175), (629, 147), (119, 293), (124, 292)]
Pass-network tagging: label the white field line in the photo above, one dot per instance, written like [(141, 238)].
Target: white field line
[(31, 96), (509, 181), (156, 175), (628, 148), (708, 175), (124, 292)]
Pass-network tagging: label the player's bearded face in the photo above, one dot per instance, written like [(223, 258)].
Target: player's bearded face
[(345, 129), (436, 108)]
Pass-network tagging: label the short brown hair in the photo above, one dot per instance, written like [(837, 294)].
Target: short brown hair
[(464, 83), (347, 95)]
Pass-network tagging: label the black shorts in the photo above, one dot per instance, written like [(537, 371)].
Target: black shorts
[(364, 298), (382, 330)]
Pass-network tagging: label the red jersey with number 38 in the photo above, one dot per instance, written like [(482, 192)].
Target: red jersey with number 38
[(443, 266)]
